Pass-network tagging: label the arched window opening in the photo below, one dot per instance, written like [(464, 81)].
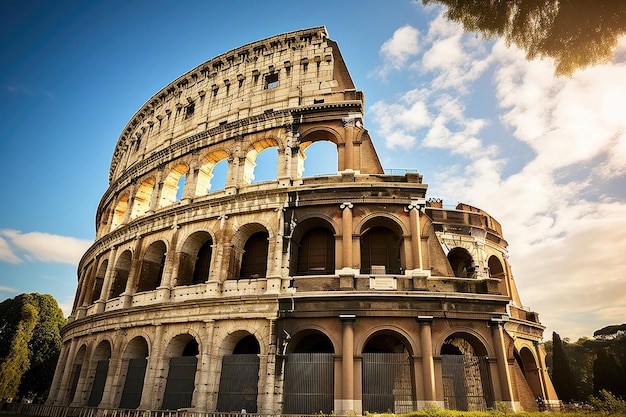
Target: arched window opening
[(387, 370), (134, 367), (99, 282), (462, 263), (496, 271), (173, 185), (119, 213), (266, 161), (254, 260), (141, 203), (152, 267), (309, 375), (315, 252), (212, 173), (380, 251), (239, 379), (181, 375), (102, 356), (120, 274), (195, 259), (465, 372), (319, 158)]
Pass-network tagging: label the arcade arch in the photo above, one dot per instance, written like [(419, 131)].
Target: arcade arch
[(152, 265), (134, 364), (239, 378), (120, 274), (195, 259), (100, 360), (183, 353)]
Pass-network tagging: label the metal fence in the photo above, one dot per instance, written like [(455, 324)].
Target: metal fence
[(387, 383), (466, 383)]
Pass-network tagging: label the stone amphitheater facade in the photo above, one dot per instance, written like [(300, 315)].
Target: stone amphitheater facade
[(342, 293)]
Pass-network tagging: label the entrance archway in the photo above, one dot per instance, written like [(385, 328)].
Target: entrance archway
[(388, 383), (465, 372), (239, 379), (309, 375)]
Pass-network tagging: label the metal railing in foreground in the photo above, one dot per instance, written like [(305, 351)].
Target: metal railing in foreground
[(42, 410)]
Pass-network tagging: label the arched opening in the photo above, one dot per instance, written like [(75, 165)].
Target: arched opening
[(212, 173), (98, 282), (141, 202), (101, 358), (181, 375), (119, 213), (135, 362), (77, 368), (388, 383), (314, 249), (120, 274), (309, 374), (465, 372), (267, 162), (152, 266), (462, 263), (319, 158), (527, 369), (496, 270), (173, 185), (239, 379), (254, 259), (195, 259), (380, 248)]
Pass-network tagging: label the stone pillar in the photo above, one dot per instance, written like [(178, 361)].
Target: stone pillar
[(346, 227), (108, 281), (191, 182), (428, 365), (133, 275), (416, 235), (348, 124), (155, 196), (154, 373), (62, 374), (201, 393), (131, 201), (504, 373), (347, 402)]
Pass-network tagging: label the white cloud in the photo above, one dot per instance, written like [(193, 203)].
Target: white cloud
[(42, 247), (454, 58), (7, 254), (566, 241), (397, 50)]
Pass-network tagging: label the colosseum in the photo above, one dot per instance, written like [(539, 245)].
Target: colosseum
[(344, 293)]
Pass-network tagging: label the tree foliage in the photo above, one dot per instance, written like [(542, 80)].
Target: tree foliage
[(30, 342), (610, 364), (576, 33), (562, 376)]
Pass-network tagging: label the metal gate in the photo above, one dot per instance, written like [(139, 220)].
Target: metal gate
[(133, 386), (180, 383), (387, 383), (466, 383), (308, 386), (99, 381), (239, 382)]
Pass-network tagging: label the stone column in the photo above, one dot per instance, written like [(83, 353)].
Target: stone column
[(348, 124), (201, 393), (497, 330), (108, 281), (133, 275), (347, 402), (416, 235), (346, 227), (154, 378), (428, 365), (62, 373)]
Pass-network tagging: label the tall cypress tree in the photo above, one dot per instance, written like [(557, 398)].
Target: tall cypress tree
[(562, 376), (30, 343)]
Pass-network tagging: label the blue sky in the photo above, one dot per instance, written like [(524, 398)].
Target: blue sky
[(546, 156)]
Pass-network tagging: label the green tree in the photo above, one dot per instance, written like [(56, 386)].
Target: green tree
[(562, 376), (30, 343), (576, 33), (609, 368)]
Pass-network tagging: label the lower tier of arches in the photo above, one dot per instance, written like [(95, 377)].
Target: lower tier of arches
[(349, 363)]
